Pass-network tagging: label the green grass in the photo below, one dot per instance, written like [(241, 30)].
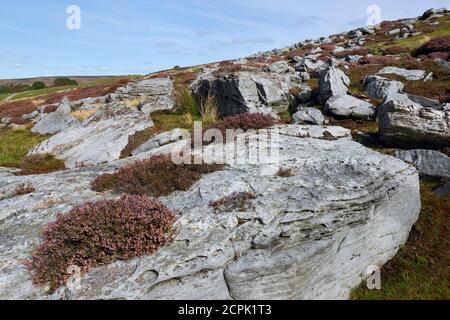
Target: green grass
[(42, 92), (3, 96), (421, 270), (15, 144)]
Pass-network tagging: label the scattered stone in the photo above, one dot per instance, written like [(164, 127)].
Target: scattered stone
[(308, 116), (429, 162), (413, 75), (349, 106)]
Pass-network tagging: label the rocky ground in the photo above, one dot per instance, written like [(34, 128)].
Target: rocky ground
[(364, 132)]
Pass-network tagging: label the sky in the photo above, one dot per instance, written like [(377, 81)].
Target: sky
[(119, 37)]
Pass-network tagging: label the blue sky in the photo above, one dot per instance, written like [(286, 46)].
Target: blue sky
[(138, 36)]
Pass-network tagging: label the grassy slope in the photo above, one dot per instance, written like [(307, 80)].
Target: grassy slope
[(14, 145), (421, 270)]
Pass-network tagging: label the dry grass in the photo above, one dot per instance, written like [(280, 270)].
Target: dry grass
[(82, 115)]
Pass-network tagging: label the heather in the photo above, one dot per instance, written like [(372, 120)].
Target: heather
[(156, 177), (98, 233)]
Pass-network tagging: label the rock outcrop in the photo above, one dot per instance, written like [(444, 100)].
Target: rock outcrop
[(414, 75), (57, 121), (429, 162), (100, 138), (309, 236), (379, 88), (333, 82), (409, 125), (246, 92)]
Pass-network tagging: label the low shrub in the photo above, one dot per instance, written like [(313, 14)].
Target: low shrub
[(23, 189), (444, 98), (439, 55), (62, 82), (156, 177), (50, 108), (438, 44), (238, 201), (247, 121), (98, 233), (328, 47), (285, 173), (356, 52), (383, 60), (204, 108), (387, 26), (40, 164), (15, 110), (395, 50)]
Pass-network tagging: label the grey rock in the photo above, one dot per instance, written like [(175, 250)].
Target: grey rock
[(349, 106), (333, 82), (429, 162), (308, 116), (394, 32), (409, 125), (57, 121), (280, 67), (246, 92), (443, 63), (160, 140), (100, 138), (443, 190), (413, 75), (379, 88), (312, 236)]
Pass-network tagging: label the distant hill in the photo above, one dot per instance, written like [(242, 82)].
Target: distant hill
[(49, 80)]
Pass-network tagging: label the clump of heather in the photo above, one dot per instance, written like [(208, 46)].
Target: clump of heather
[(98, 233), (156, 177)]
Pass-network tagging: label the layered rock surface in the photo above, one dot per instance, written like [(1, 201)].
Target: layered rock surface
[(309, 236)]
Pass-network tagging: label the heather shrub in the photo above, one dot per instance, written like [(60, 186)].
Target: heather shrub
[(51, 108), (328, 47), (356, 52), (394, 50), (439, 55), (444, 98), (384, 60), (99, 233), (438, 44), (40, 164), (247, 121), (238, 201), (285, 173), (156, 177)]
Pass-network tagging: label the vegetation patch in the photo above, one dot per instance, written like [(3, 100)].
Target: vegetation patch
[(40, 164), (98, 233), (15, 144), (286, 173), (438, 44), (156, 177), (421, 270), (238, 201)]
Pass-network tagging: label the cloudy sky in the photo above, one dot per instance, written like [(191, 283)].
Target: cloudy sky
[(141, 36)]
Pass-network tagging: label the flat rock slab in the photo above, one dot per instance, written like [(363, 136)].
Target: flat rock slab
[(309, 236), (414, 75), (94, 142)]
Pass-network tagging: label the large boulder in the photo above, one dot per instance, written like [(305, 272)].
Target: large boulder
[(57, 121), (350, 107), (314, 235), (154, 94), (429, 162), (409, 125), (379, 88), (333, 82), (246, 92), (280, 67), (100, 138)]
